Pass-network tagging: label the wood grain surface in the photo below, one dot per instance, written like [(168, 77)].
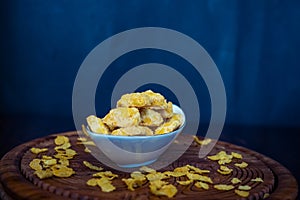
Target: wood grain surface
[(18, 180)]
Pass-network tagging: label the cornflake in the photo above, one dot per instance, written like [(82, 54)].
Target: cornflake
[(91, 166), (223, 187), (242, 193), (236, 155), (200, 184), (38, 150), (60, 140), (235, 181), (163, 189), (258, 179), (224, 170), (42, 174), (202, 142), (105, 185), (198, 177), (156, 176), (241, 165), (35, 164), (222, 157), (187, 182), (197, 170), (244, 187), (106, 174)]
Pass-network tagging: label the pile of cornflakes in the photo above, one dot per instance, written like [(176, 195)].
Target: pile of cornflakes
[(145, 113), (57, 165)]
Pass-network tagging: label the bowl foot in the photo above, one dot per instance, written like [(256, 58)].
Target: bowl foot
[(137, 164)]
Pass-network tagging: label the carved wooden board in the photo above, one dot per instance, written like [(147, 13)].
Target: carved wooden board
[(19, 182)]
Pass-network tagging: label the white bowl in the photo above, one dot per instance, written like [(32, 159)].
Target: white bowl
[(135, 151)]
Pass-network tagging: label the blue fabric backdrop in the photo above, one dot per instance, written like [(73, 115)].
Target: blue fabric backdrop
[(254, 44)]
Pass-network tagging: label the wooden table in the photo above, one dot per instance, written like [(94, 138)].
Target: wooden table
[(19, 182)]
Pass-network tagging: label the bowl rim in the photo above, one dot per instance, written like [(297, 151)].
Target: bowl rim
[(142, 136)]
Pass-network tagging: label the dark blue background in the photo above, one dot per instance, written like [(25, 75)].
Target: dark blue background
[(254, 43)]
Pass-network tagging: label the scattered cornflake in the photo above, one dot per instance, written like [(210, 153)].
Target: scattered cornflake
[(187, 182), (168, 190), (236, 155), (35, 164), (258, 179), (200, 184), (138, 175), (223, 187), (106, 174), (82, 139), (241, 165), (49, 162), (91, 166), (38, 150), (224, 170), (64, 146), (92, 182), (62, 171), (242, 193), (87, 150), (147, 169), (197, 170), (235, 181), (131, 183), (42, 174), (64, 162), (84, 130), (206, 141), (156, 176), (105, 184), (60, 140), (174, 174), (222, 157), (91, 143), (198, 177), (137, 179), (183, 169), (244, 187), (266, 195)]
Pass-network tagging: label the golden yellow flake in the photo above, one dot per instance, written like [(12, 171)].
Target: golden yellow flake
[(105, 184), (235, 180), (91, 166), (236, 155), (200, 184), (187, 182), (223, 187), (35, 164), (42, 174), (38, 150), (156, 176), (258, 179), (62, 171), (168, 190), (241, 165), (60, 140), (244, 187), (242, 193), (197, 170), (202, 142), (198, 177)]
